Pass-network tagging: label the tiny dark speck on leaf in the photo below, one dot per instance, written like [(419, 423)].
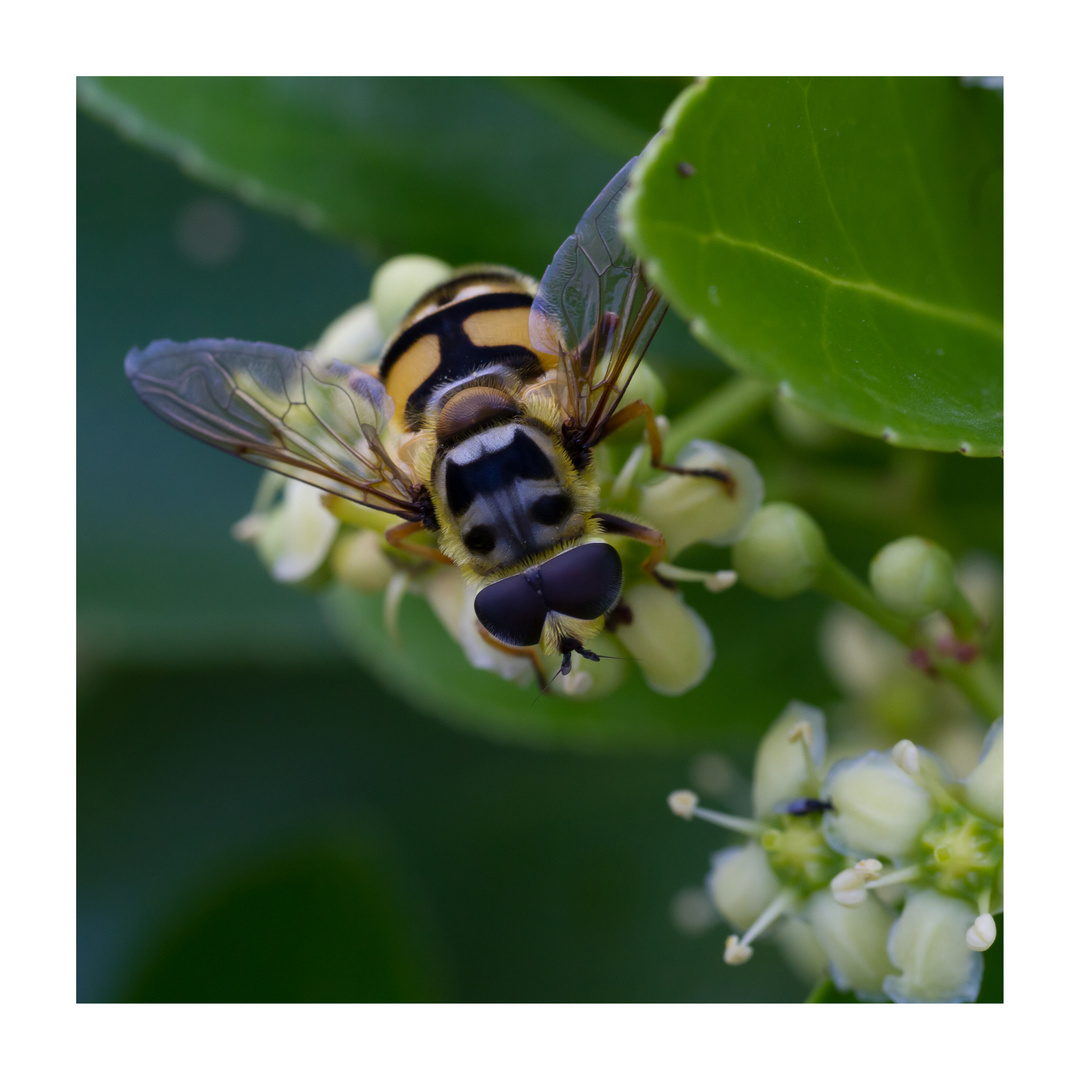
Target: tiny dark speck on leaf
[(685, 168)]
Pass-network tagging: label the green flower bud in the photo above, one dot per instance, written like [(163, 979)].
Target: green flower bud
[(670, 641), (399, 283), (913, 576), (928, 943), (690, 509), (782, 551)]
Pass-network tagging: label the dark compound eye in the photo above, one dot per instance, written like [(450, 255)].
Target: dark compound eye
[(511, 611), (583, 582), (550, 509), (480, 539)]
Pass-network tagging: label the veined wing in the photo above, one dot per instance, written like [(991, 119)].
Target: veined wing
[(320, 423), (597, 312)]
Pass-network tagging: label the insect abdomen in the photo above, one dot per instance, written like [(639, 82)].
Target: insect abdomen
[(478, 324)]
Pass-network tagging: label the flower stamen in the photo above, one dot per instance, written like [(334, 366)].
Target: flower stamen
[(981, 934), (684, 804), (737, 950), (713, 580)]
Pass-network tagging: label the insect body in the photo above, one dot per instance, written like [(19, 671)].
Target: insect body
[(478, 425)]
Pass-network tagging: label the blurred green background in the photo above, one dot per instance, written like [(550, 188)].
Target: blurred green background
[(261, 820)]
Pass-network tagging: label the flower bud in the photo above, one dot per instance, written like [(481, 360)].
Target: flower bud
[(691, 509), (782, 551), (877, 808), (669, 640), (928, 943), (984, 790), (913, 576), (353, 338), (399, 283), (780, 765), (358, 560), (855, 940), (742, 884)]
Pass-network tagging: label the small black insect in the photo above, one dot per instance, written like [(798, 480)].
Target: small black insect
[(806, 806)]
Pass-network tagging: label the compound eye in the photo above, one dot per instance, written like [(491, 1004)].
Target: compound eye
[(511, 611), (583, 582)]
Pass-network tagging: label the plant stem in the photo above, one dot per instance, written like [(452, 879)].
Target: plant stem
[(727, 408), (962, 616), (976, 679), (841, 584), (979, 683)]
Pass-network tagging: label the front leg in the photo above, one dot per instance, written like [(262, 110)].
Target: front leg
[(620, 526), (656, 445)]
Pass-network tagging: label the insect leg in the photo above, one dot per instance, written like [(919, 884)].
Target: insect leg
[(656, 445), (514, 650), (398, 535), (619, 526)]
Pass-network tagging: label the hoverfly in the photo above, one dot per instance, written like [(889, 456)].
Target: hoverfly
[(478, 425)]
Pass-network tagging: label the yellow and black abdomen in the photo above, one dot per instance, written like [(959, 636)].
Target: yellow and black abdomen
[(469, 328)]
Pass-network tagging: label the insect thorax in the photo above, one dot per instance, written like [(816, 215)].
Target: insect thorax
[(463, 370)]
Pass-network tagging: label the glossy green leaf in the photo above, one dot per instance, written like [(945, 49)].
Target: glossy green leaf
[(466, 169), (761, 663), (841, 238)]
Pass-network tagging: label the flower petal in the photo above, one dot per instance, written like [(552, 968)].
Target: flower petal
[(855, 939), (877, 808), (296, 535), (780, 773), (741, 884), (670, 641), (984, 787), (693, 509), (928, 944)]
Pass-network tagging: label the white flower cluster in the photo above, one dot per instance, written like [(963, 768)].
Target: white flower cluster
[(884, 868), (304, 536)]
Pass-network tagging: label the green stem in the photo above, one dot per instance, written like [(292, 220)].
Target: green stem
[(841, 584), (979, 683), (727, 408), (976, 679), (962, 616)]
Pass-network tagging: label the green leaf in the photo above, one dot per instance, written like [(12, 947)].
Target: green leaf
[(841, 238), (466, 169), (761, 663)]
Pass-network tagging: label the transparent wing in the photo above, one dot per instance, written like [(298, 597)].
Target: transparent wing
[(596, 311), (320, 423)]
